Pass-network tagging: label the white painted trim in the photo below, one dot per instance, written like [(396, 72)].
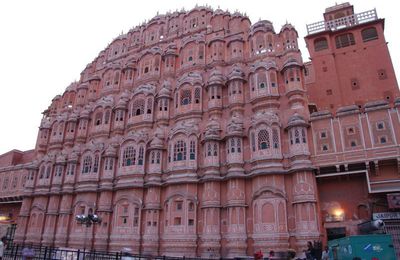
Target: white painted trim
[(361, 130), (391, 127), (370, 131), (333, 136), (341, 135)]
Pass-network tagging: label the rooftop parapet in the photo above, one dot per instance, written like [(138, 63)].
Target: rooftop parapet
[(342, 22)]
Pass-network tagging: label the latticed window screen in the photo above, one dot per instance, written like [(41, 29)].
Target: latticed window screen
[(263, 139), (180, 150), (149, 105), (303, 136), (129, 156), (208, 150), (296, 136), (197, 95), (275, 138), (87, 164), (239, 145), (232, 145), (71, 169), (186, 97), (192, 150), (158, 158), (215, 149), (140, 157), (253, 142), (137, 107), (152, 156), (96, 163)]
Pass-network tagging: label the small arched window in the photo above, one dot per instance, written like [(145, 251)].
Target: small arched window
[(149, 105), (186, 97), (138, 107), (180, 151), (344, 40), (129, 156), (263, 139), (192, 150), (275, 138), (98, 118), (96, 163), (197, 92), (320, 44), (48, 171), (369, 34), (140, 157), (87, 164)]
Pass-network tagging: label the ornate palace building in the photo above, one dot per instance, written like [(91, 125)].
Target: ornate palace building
[(199, 131)]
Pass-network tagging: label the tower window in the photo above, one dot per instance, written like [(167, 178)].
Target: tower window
[(320, 44), (369, 34), (380, 125), (344, 40)]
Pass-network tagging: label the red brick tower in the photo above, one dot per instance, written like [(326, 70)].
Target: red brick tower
[(350, 59)]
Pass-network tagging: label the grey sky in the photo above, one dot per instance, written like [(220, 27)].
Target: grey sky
[(44, 45)]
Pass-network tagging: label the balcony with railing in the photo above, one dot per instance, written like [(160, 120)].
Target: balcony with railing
[(342, 22)]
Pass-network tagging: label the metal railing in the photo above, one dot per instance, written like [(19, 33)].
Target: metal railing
[(343, 22)]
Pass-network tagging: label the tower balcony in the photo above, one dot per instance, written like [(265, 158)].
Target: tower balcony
[(342, 22)]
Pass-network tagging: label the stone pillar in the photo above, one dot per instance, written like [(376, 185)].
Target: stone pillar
[(151, 219), (236, 236), (104, 211), (210, 238), (51, 221), (64, 218), (305, 208), (23, 220)]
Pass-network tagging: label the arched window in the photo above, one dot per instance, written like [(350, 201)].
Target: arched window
[(180, 150), (42, 170), (303, 136), (96, 163), (186, 97), (239, 145), (48, 171), (197, 92), (152, 156), (369, 34), (192, 150), (138, 107), (263, 139), (275, 138), (129, 156), (209, 152), (215, 149), (98, 118), (107, 117), (344, 40), (149, 105), (158, 158), (140, 157), (87, 164), (253, 141), (320, 44), (296, 136)]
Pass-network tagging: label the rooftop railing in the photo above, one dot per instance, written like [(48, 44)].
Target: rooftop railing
[(342, 22)]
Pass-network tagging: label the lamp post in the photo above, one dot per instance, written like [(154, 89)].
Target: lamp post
[(87, 220)]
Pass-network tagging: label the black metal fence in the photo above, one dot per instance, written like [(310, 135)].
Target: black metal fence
[(14, 252)]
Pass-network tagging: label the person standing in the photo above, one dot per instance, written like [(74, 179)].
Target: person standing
[(310, 252), (325, 253), (3, 244)]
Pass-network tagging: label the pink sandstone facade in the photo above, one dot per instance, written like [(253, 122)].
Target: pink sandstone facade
[(200, 132)]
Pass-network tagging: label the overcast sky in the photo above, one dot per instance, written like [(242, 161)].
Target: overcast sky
[(44, 45)]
